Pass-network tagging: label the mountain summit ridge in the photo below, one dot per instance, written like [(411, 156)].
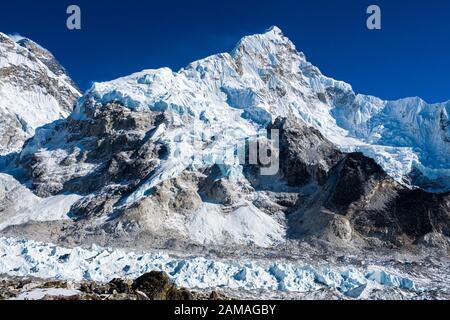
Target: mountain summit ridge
[(266, 77)]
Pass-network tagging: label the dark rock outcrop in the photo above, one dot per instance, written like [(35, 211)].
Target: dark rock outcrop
[(305, 155), (158, 286), (352, 179), (377, 206), (353, 193)]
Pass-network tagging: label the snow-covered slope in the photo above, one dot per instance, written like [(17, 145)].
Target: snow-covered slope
[(18, 205), (264, 77), (34, 90)]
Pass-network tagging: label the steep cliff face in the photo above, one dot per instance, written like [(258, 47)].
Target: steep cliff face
[(34, 90)]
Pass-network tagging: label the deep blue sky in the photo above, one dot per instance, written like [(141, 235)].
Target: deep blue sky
[(410, 56)]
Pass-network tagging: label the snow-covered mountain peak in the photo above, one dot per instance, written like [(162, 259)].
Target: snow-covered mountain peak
[(39, 51), (270, 42), (256, 54), (47, 58), (275, 30), (263, 78), (34, 90)]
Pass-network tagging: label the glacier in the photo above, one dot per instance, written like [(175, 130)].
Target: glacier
[(48, 261)]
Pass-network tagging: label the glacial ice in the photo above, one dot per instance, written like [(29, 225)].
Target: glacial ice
[(31, 258), (387, 279)]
